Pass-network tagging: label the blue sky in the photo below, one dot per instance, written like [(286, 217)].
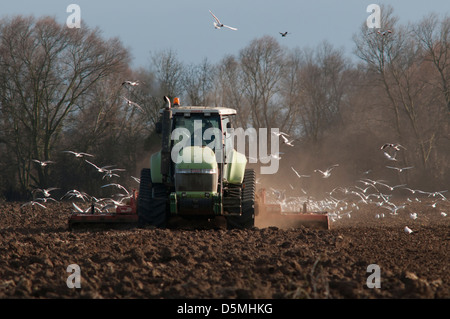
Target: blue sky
[(187, 27)]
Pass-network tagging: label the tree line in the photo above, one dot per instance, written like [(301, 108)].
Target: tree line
[(65, 90)]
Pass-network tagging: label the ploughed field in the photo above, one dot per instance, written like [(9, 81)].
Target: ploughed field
[(36, 249)]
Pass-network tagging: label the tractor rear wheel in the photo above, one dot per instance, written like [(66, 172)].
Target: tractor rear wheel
[(247, 218), (152, 201)]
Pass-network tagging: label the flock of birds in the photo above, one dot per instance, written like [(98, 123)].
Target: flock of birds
[(343, 201), (102, 205), (339, 202)]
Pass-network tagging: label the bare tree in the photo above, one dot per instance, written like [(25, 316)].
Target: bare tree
[(168, 70), (434, 37), (323, 84), (398, 64), (198, 83), (45, 67), (262, 63), (377, 51), (231, 90), (290, 92)]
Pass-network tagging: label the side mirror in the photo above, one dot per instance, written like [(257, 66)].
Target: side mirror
[(158, 127), (227, 132)]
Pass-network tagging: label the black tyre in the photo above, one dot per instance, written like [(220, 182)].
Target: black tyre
[(247, 218), (152, 202)]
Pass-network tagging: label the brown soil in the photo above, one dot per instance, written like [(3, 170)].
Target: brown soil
[(267, 262)]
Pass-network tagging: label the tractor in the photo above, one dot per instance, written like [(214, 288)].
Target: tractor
[(197, 174)]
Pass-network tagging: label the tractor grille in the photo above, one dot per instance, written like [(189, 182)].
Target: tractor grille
[(196, 182)]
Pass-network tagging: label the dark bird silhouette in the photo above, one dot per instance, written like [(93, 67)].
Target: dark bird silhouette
[(384, 32), (395, 146)]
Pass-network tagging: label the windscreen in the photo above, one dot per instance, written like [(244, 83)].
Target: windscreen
[(197, 129)]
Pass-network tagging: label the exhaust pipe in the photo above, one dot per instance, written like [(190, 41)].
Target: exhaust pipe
[(166, 138)]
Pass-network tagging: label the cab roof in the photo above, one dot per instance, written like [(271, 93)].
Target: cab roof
[(203, 109)]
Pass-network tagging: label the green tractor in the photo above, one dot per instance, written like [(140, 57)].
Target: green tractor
[(197, 174)]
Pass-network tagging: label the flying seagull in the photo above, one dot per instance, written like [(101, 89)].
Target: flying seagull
[(132, 83), (298, 174), (400, 169), (280, 134), (46, 192), (131, 103), (109, 172), (389, 157), (395, 146), (286, 141), (327, 173), (77, 194), (284, 34), (32, 203), (118, 186), (43, 163), (80, 154), (103, 169), (276, 156), (138, 180), (218, 24)]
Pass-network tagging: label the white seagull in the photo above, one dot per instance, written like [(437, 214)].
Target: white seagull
[(103, 169), (77, 194), (43, 163), (364, 190), (46, 199), (395, 146), (400, 169), (32, 203), (389, 157), (267, 158), (118, 186), (286, 141), (280, 134), (132, 83), (276, 156), (327, 173), (138, 180), (131, 103), (90, 209), (298, 174), (46, 192), (80, 154), (218, 24), (408, 230), (390, 187), (109, 172)]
